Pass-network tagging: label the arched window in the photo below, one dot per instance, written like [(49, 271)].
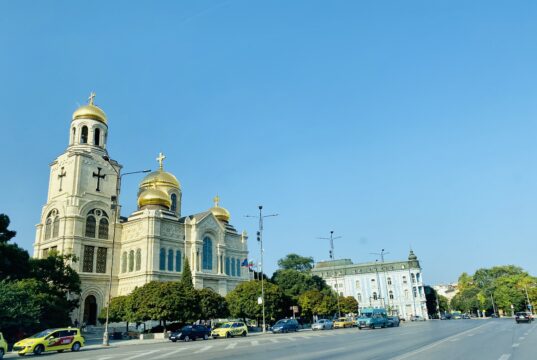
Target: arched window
[(232, 267), (84, 135), (227, 266), (207, 254), (74, 136), (48, 228), (170, 260), (90, 226), (357, 284), (404, 280), (97, 137), (389, 281), (162, 259), (418, 277), (131, 261), (406, 293), (103, 228), (124, 262), (178, 261), (391, 295), (359, 297), (375, 297), (174, 203), (55, 226), (238, 267), (138, 259)]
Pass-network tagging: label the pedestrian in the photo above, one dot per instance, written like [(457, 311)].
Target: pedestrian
[(76, 323), (83, 326)]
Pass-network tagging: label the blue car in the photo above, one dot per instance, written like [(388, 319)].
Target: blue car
[(285, 326)]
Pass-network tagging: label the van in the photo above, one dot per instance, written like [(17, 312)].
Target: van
[(372, 318)]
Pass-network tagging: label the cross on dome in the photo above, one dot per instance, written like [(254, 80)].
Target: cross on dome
[(160, 159), (216, 200), (91, 98)]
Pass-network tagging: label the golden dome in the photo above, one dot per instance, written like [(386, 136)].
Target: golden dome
[(219, 212), (90, 111), (160, 178), (154, 197)]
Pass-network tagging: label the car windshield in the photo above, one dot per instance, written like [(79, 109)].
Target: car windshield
[(186, 328), (366, 315), (281, 322), (41, 334), (227, 325), (320, 322)]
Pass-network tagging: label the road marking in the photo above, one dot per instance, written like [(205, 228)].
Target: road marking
[(205, 348), (169, 354), (432, 345), (142, 355), (470, 335), (231, 346), (521, 338), (274, 340), (453, 340), (254, 342), (516, 345), (290, 338), (505, 357)]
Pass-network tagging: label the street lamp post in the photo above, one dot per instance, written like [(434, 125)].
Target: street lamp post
[(261, 250), (332, 257), (115, 206), (528, 300)]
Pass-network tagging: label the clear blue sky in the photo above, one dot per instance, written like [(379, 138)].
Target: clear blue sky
[(393, 123)]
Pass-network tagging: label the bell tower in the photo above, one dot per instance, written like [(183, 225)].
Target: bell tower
[(78, 216)]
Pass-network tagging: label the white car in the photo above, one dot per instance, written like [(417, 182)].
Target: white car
[(322, 324)]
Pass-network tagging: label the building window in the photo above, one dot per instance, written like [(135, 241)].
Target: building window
[(413, 278), (404, 280), (359, 297), (44, 253), (238, 267), (391, 295), (178, 261), (170, 260), (55, 226), (131, 261), (97, 136), (207, 254), (101, 260), (357, 284), (103, 228), (52, 224), (138, 259), (162, 259), (84, 135), (375, 297), (418, 277), (415, 293), (174, 203), (227, 266), (87, 262), (232, 267), (124, 262), (90, 226), (48, 228), (74, 135), (54, 249), (389, 281), (406, 293)]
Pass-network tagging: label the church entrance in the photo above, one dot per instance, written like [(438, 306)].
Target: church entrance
[(90, 310)]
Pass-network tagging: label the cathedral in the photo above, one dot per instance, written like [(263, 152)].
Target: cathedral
[(82, 217)]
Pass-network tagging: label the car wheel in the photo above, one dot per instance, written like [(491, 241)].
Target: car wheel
[(174, 340), (228, 335), (39, 349), (60, 351), (187, 338), (205, 337), (1, 353), (243, 334), (75, 347)]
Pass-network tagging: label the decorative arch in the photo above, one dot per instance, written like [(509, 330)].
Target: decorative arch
[(173, 207), (97, 217), (52, 224), (178, 260), (138, 259), (84, 135), (170, 260), (97, 136), (124, 262), (162, 259), (131, 261)]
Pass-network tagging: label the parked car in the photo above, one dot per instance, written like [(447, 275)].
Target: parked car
[(285, 325), (50, 340), (191, 332), (3, 346), (343, 322), (418, 318), (372, 318), (322, 324), (523, 316), (393, 321), (465, 316)]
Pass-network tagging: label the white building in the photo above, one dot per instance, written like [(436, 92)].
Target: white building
[(447, 290), (81, 217), (394, 285)]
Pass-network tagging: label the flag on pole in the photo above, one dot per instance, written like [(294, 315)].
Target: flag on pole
[(251, 264), (245, 263)]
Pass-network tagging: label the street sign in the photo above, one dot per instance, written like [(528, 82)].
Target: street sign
[(260, 300)]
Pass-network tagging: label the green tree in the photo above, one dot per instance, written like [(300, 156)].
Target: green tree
[(348, 305), (5, 234), (14, 261), (293, 283), (443, 303), (296, 262), (242, 301), (212, 304), (20, 308), (186, 277), (119, 311)]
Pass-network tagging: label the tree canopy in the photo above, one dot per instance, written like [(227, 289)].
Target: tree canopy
[(296, 262), (242, 301)]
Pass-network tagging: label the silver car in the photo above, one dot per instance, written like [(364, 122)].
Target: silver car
[(322, 324)]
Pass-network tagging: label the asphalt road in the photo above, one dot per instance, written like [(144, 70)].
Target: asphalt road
[(493, 339)]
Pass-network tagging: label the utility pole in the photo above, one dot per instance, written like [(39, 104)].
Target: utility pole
[(261, 250), (528, 299), (381, 254), (332, 257)]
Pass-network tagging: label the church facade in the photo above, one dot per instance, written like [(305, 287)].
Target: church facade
[(82, 217)]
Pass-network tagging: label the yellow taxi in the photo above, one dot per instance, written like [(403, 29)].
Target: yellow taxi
[(50, 340), (230, 329), (3, 346), (343, 323)]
